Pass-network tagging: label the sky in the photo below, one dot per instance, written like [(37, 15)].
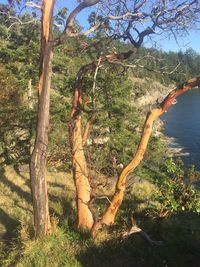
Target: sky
[(192, 40), (167, 44)]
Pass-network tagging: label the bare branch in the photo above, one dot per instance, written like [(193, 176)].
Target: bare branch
[(33, 5), (91, 30), (87, 127), (19, 22), (145, 17), (126, 16), (135, 229), (103, 197), (70, 29)]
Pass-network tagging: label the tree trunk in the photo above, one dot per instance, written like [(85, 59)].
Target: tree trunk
[(83, 189), (39, 155), (109, 215)]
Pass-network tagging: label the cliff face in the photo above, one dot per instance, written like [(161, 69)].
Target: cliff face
[(147, 92)]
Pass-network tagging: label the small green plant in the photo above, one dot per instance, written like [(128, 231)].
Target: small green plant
[(173, 194), (173, 168)]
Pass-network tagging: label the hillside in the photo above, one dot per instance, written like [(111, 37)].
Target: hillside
[(85, 179), (66, 247)]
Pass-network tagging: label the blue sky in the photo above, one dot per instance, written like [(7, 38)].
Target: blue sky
[(168, 44)]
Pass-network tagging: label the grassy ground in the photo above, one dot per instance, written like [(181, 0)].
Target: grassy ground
[(67, 247)]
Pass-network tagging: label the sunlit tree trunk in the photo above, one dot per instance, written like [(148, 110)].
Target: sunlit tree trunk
[(83, 189), (109, 215), (78, 139), (39, 155)]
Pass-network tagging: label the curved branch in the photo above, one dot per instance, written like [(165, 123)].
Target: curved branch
[(69, 27), (111, 211)]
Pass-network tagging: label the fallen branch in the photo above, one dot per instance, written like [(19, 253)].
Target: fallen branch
[(136, 230)]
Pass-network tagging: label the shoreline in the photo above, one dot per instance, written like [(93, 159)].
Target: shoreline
[(174, 149)]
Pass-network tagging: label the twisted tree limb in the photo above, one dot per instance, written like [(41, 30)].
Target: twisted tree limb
[(78, 139), (109, 215)]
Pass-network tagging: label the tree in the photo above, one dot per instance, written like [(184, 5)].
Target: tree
[(39, 155), (130, 21), (78, 137), (127, 24), (19, 57), (110, 213)]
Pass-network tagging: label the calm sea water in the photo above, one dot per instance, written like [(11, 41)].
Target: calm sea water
[(182, 122)]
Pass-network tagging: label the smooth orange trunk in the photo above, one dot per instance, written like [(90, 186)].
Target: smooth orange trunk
[(109, 215), (81, 180)]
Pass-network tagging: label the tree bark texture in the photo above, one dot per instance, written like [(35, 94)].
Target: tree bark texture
[(39, 155), (83, 189), (109, 215), (78, 139)]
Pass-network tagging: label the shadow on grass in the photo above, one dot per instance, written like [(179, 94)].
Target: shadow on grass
[(15, 188), (17, 170), (11, 226), (6, 220), (181, 248), (68, 212)]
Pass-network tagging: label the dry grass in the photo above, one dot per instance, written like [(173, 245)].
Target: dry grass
[(15, 199)]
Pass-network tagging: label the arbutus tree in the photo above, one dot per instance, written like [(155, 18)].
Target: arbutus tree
[(109, 215), (78, 137), (127, 20), (133, 21), (85, 209), (39, 156)]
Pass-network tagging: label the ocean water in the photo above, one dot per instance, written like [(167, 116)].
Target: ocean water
[(182, 122)]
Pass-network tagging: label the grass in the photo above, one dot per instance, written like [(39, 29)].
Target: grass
[(68, 247), (53, 251), (16, 217)]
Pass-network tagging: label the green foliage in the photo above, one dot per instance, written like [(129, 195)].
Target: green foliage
[(171, 67), (173, 169), (191, 174), (113, 135), (16, 120), (20, 50), (113, 138), (58, 136), (173, 193)]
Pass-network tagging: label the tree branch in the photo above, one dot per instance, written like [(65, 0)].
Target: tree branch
[(33, 5), (109, 215), (69, 30), (135, 229)]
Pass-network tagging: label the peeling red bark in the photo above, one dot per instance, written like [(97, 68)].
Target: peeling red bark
[(81, 180)]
